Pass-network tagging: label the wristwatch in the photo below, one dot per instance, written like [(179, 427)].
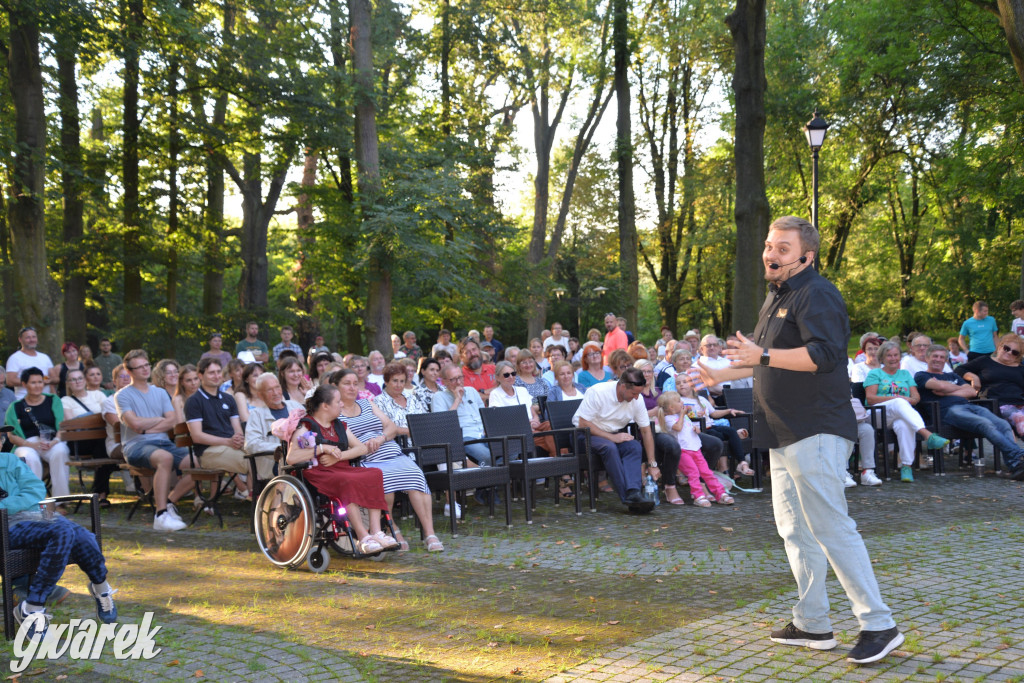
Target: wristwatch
[(765, 358), (652, 464)]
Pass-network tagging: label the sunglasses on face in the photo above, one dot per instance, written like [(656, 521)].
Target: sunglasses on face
[(506, 375), (1013, 352)]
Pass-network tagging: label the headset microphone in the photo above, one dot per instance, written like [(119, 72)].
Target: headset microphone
[(776, 266)]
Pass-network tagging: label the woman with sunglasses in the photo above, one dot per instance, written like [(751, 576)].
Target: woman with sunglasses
[(507, 393), (1001, 377)]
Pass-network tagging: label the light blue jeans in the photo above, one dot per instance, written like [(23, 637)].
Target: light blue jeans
[(811, 516)]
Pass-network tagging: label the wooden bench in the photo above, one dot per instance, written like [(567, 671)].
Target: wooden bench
[(90, 427)]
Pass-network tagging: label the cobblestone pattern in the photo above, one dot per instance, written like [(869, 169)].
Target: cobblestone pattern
[(956, 594)]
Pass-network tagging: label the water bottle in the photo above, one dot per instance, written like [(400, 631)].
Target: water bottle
[(651, 490)]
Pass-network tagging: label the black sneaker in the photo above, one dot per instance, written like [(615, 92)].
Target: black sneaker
[(873, 645), (791, 635)]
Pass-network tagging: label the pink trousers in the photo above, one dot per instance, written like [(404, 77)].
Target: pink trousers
[(693, 465)]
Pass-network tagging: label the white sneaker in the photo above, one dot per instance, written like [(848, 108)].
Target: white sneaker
[(868, 478), (849, 482), (172, 510), (458, 510), (165, 522)]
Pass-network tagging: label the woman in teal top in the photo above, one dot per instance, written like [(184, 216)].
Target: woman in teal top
[(592, 370), (895, 389)]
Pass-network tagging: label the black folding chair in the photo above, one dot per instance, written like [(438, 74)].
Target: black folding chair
[(524, 463), (560, 414), (437, 440)]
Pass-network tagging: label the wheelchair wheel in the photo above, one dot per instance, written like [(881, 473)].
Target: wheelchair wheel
[(285, 522), (318, 559)]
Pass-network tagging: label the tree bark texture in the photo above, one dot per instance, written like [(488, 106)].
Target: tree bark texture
[(132, 18), (39, 298), (747, 25), (1011, 17), (308, 326), (377, 322), (628, 267), (73, 218)]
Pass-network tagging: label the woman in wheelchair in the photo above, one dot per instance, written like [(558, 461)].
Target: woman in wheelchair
[(377, 432), (325, 439)]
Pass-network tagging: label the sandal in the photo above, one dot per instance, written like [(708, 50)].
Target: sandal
[(605, 487), (369, 546), (702, 502), (674, 501), (565, 488), (385, 541), (433, 544), (725, 499), (104, 503), (744, 469)]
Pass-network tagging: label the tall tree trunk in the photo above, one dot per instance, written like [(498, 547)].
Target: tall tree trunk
[(73, 218), (173, 200), (628, 268), (131, 24), (378, 303), (11, 318), (39, 298), (308, 326), (747, 25), (214, 261), (97, 164)]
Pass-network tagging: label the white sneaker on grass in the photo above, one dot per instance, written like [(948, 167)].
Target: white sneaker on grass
[(166, 522)]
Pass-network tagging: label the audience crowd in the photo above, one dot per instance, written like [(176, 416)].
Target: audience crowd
[(681, 427)]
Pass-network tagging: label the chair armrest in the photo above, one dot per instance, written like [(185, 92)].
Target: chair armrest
[(94, 508)]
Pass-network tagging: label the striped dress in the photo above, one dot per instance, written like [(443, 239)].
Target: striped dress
[(399, 470)]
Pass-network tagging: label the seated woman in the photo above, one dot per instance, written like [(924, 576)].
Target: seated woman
[(59, 373), (361, 366), (318, 367), (248, 398), (333, 474), (291, 373), (528, 375), (895, 389), (188, 383), (233, 372), (36, 420), (78, 403), (592, 370), (94, 379), (565, 388), (554, 354), (377, 433), (681, 363), (165, 375), (869, 348), (398, 400), (1001, 377), (509, 393), (619, 362)]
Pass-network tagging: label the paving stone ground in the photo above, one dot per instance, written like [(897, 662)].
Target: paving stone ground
[(539, 602)]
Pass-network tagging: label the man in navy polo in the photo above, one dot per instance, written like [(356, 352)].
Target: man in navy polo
[(212, 418)]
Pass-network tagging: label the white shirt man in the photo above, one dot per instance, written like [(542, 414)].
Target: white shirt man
[(26, 357)]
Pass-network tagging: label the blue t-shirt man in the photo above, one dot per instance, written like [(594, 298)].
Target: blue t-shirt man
[(981, 329)]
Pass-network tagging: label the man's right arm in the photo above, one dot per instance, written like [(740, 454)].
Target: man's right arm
[(616, 437), (138, 424)]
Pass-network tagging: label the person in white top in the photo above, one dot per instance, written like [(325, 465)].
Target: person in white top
[(557, 338), (377, 363), (80, 401), (607, 408), (917, 361), (507, 394), (27, 357)]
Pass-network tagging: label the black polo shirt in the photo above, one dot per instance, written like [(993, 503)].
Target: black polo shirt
[(804, 311), (215, 413)]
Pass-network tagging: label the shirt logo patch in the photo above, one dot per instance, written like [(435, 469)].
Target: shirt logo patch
[(224, 406), (782, 313)]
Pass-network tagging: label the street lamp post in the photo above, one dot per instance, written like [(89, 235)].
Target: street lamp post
[(815, 131)]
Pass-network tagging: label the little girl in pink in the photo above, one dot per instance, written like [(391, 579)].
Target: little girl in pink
[(691, 460)]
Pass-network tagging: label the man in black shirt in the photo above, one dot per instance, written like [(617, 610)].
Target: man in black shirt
[(213, 423), (802, 413)]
